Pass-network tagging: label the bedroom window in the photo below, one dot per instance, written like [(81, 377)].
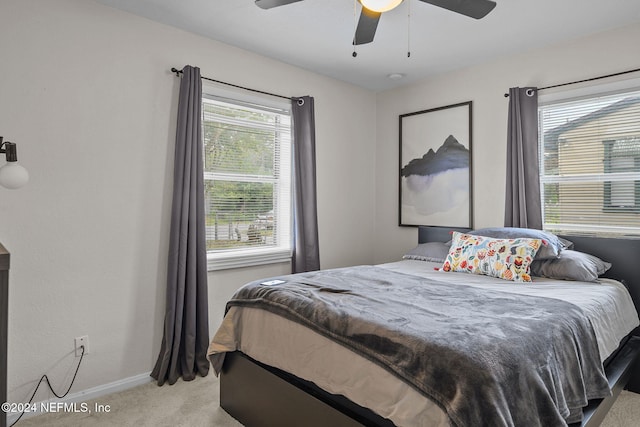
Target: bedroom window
[(247, 175), (590, 164)]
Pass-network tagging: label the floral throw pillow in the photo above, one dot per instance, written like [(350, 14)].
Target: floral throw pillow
[(507, 259)]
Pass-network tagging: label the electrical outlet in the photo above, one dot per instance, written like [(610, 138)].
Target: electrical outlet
[(79, 342)]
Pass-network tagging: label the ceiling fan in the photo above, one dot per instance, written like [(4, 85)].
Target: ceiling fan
[(372, 9)]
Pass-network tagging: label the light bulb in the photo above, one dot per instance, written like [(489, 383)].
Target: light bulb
[(13, 176), (380, 5)]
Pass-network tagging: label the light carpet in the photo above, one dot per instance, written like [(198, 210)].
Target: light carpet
[(196, 404)]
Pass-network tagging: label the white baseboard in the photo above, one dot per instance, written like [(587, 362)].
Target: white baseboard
[(86, 395)]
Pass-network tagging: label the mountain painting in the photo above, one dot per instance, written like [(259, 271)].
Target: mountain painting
[(435, 177)]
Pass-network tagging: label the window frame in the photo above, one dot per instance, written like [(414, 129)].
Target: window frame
[(253, 256), (587, 92)]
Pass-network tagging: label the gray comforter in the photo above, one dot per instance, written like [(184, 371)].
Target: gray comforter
[(486, 358)]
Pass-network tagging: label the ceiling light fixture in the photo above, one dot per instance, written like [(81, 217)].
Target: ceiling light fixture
[(12, 175), (395, 76), (380, 5)]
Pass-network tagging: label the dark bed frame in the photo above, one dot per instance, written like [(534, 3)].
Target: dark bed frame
[(259, 395)]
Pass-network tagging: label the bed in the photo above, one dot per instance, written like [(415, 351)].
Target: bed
[(279, 371)]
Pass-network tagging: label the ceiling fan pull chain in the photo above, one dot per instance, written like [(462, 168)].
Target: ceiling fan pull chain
[(355, 26), (409, 29)]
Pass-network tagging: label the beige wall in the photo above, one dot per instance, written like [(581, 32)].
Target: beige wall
[(485, 85), (87, 95)]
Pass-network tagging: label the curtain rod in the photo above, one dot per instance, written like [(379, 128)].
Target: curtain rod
[(506, 95), (178, 72)]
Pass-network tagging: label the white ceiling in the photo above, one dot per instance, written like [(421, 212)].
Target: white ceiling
[(317, 34)]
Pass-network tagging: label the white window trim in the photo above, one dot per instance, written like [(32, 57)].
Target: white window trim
[(588, 91), (247, 258), (239, 258), (596, 229)]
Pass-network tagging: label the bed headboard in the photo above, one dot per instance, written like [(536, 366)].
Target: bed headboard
[(623, 254), (437, 234)]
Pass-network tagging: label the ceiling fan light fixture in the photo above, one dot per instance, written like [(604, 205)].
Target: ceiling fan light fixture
[(380, 5)]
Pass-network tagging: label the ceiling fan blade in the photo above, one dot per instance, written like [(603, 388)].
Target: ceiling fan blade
[(473, 8), (268, 4), (367, 25)]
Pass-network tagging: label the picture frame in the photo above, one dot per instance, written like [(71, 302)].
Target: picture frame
[(435, 167)]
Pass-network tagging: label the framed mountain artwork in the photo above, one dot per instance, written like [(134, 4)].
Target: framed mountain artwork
[(435, 167)]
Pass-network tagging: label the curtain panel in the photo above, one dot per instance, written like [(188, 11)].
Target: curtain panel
[(523, 207), (183, 351), (306, 252)]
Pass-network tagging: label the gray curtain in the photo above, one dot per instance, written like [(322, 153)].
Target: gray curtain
[(306, 253), (523, 207), (186, 322)]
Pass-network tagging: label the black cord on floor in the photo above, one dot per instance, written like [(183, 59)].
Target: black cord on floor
[(45, 378)]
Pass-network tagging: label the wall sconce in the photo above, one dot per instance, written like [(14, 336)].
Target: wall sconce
[(12, 175)]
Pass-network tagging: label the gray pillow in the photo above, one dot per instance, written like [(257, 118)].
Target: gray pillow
[(551, 244), (432, 251), (566, 244), (571, 265)]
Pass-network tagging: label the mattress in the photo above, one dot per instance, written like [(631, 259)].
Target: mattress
[(292, 347)]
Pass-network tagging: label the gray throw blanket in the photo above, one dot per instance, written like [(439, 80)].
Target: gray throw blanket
[(486, 358)]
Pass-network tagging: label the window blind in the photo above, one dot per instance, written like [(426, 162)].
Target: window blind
[(590, 165), (247, 156)]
